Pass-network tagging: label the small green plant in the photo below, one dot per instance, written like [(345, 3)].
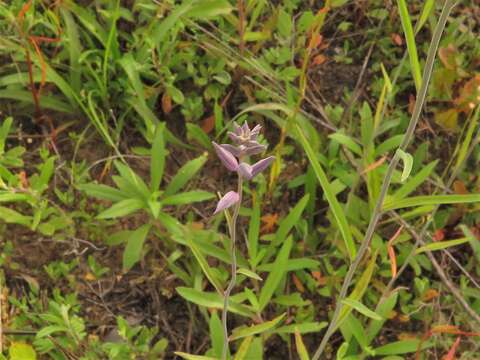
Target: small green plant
[(133, 195)]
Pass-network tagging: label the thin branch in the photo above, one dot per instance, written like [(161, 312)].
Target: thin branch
[(377, 213)]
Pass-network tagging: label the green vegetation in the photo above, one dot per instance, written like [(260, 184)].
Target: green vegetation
[(357, 237)]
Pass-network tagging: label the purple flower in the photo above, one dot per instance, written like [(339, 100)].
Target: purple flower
[(226, 157), (231, 156), (228, 200)]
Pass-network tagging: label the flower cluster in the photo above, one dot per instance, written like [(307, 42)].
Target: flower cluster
[(246, 144)]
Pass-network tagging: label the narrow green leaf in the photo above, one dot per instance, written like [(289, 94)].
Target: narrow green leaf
[(157, 161), (430, 200), (213, 300), (207, 270), (301, 349), (275, 277), (441, 245), (347, 141), (216, 334), (426, 11), (249, 273), (13, 217), (362, 309), (302, 328), (400, 347), (103, 192), (185, 174), (193, 357), (245, 331), (411, 46), (243, 349), (384, 309), (133, 250), (474, 241), (290, 221), (415, 181), (330, 196), (122, 208), (187, 197)]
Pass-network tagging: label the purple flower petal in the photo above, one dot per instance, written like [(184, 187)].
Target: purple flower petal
[(255, 149), (232, 149), (235, 138), (255, 131), (236, 128), (229, 199), (245, 171), (245, 128), (261, 165), (226, 157)]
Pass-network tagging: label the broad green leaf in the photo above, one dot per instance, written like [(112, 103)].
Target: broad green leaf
[(347, 141), (157, 161), (411, 45), (207, 270), (439, 245), (104, 192), (407, 164), (213, 300), (21, 351), (430, 200), (335, 207), (8, 196), (206, 9), (400, 347), (187, 197), (185, 174), (362, 309), (275, 277), (122, 208), (133, 250), (388, 145), (301, 349), (293, 265), (353, 327), (245, 331)]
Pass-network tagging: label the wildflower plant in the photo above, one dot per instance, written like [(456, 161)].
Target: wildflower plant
[(234, 158)]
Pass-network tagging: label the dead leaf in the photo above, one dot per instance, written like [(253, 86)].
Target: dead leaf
[(374, 165), (438, 235), (391, 251), (166, 103), (459, 187), (469, 96), (319, 59), (208, 124), (396, 39), (89, 277), (429, 295), (270, 221), (321, 280), (298, 283)]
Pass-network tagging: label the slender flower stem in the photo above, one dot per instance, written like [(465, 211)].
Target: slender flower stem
[(377, 213), (233, 236)]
